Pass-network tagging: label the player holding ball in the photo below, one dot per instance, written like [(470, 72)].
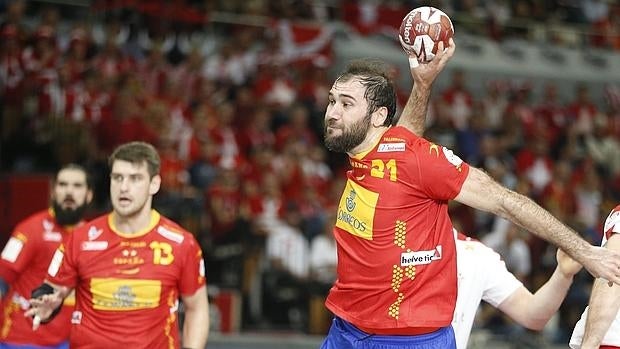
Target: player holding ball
[(397, 283)]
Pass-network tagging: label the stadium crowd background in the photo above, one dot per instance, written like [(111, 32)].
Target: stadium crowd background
[(232, 93)]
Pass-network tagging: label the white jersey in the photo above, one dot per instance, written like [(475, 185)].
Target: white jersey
[(482, 275), (612, 337)]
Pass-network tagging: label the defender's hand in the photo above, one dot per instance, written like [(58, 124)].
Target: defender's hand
[(567, 266)]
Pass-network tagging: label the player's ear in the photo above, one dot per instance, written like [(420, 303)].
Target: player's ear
[(89, 196), (155, 184), (379, 116)]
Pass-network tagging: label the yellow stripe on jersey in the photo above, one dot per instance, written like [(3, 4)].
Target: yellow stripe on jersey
[(356, 211), (9, 309), (124, 294), (70, 300), (170, 320)]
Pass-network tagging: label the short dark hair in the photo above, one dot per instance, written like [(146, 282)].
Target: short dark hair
[(136, 153), (76, 167), (380, 92)]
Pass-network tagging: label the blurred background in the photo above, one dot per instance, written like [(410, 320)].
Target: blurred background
[(232, 93)]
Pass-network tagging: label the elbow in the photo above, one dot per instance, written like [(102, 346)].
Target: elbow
[(534, 323)]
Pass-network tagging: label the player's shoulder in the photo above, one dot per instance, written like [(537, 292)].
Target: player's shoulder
[(475, 248), (612, 223), (35, 224), (35, 220), (92, 229), (172, 231)]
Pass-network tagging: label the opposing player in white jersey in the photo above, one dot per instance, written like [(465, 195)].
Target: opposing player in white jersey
[(599, 326), (482, 275)]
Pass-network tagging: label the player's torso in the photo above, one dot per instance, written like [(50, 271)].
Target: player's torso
[(471, 283), (37, 239), (394, 241), (612, 337), (128, 283)]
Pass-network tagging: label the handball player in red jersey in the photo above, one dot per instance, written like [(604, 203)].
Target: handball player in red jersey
[(27, 254), (129, 268), (397, 281)]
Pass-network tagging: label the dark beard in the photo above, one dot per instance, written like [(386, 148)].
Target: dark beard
[(68, 216), (351, 137)]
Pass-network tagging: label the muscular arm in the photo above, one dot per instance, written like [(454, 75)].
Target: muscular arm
[(481, 192), (413, 115), (603, 307), (196, 326), (534, 310)]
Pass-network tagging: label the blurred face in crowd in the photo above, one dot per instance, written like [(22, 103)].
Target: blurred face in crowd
[(132, 188), (70, 196), (347, 119)]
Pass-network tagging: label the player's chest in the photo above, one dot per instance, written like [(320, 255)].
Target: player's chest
[(144, 259)]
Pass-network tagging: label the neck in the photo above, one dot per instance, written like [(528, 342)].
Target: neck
[(373, 136), (135, 223)]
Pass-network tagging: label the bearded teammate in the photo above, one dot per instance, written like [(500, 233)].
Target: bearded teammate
[(24, 261), (482, 275), (130, 267), (599, 326), (396, 254)]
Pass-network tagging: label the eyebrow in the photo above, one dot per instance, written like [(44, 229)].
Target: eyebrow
[(342, 95)]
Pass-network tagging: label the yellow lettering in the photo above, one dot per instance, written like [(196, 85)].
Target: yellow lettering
[(378, 169), (162, 253)]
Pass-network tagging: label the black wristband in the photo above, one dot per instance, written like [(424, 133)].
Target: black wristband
[(42, 291)]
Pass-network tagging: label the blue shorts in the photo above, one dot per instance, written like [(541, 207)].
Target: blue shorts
[(343, 335), (63, 345)]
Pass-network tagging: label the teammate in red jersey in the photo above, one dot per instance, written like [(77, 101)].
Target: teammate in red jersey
[(129, 268), (27, 254), (396, 255)]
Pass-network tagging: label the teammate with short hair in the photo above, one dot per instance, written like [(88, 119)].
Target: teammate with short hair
[(129, 268), (397, 279), (599, 326), (27, 254)]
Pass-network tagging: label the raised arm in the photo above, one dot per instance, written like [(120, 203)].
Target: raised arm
[(196, 325), (413, 116), (534, 310), (603, 307), (481, 192)]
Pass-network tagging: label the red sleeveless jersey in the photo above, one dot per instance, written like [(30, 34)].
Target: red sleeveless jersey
[(396, 251)]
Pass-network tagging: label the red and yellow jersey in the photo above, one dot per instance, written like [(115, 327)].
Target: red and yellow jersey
[(396, 252), (23, 265), (127, 286)]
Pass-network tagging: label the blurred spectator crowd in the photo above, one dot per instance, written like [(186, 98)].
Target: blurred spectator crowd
[(235, 106)]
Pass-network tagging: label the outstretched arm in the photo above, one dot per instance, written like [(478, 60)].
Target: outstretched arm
[(413, 116), (43, 307), (603, 307), (534, 310), (481, 192)]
